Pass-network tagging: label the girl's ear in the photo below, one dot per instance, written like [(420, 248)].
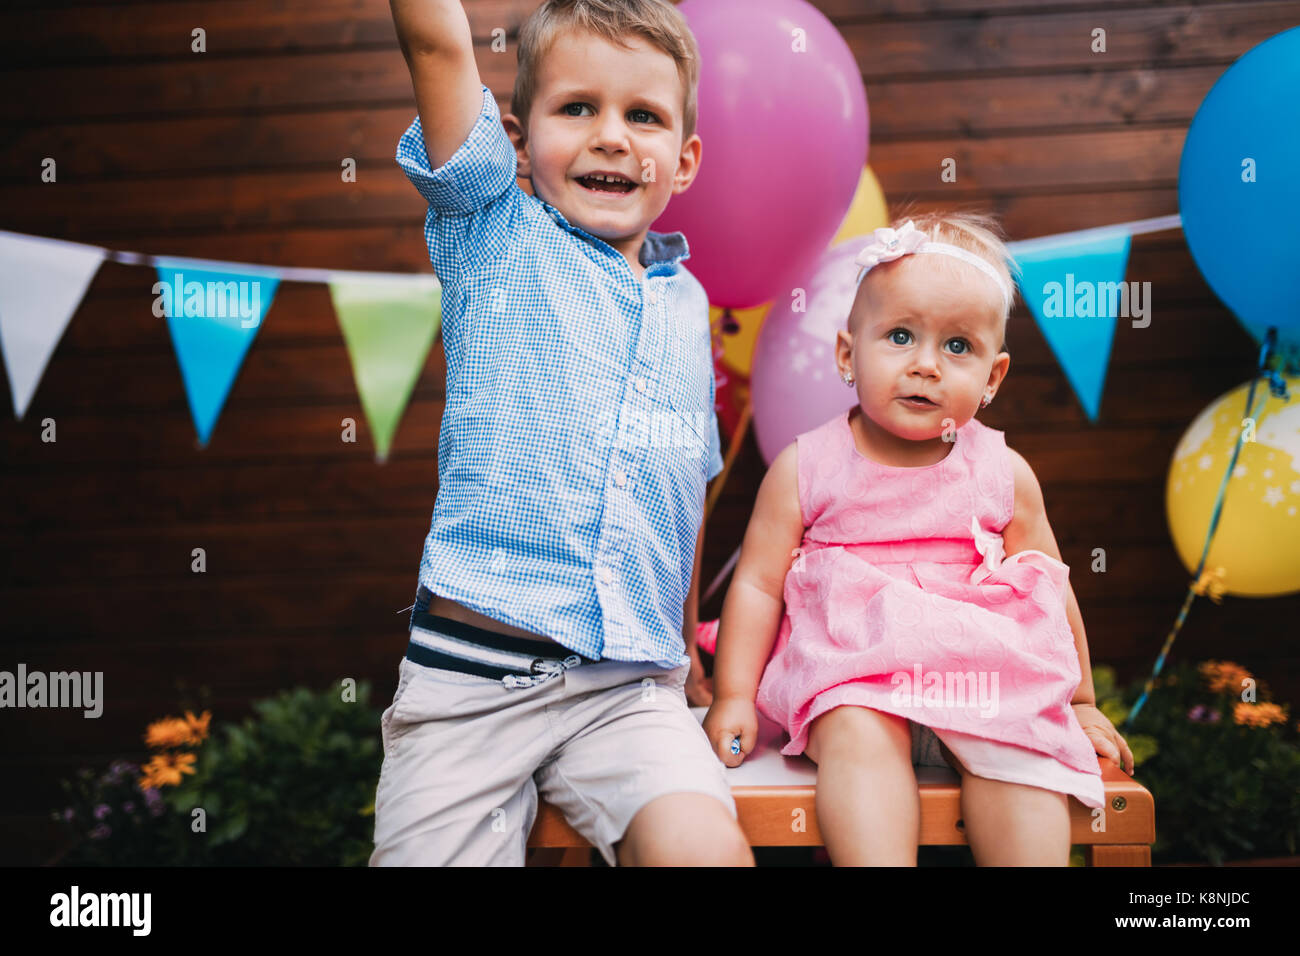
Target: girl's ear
[(843, 350)]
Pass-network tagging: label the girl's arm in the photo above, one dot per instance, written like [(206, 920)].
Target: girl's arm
[(755, 603), (1029, 530)]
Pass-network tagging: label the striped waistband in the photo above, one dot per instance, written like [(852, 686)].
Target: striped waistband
[(517, 662)]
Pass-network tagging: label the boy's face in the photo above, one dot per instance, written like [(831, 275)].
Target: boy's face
[(600, 108)]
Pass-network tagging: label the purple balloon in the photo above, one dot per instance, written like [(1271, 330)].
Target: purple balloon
[(794, 385), (785, 140)]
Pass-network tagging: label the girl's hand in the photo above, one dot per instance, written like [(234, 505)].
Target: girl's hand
[(699, 689), (728, 718), (1105, 738)]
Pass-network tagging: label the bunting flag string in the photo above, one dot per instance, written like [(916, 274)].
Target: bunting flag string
[(389, 320), (214, 310)]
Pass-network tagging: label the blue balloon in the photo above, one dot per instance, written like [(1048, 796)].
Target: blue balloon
[(1239, 189)]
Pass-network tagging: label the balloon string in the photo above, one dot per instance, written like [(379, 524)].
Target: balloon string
[(1211, 584)]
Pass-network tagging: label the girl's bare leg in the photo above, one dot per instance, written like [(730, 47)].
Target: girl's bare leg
[(1013, 824), (868, 806)]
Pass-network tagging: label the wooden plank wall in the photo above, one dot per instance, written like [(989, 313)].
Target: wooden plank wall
[(312, 548)]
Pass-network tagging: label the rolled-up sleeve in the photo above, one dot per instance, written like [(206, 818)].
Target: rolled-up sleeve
[(481, 169), (472, 196)]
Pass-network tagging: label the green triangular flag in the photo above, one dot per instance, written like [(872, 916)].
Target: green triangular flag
[(388, 325)]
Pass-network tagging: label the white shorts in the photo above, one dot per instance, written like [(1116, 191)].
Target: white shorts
[(465, 758)]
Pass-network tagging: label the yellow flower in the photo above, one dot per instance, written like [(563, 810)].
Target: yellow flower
[(177, 731), (165, 770), (168, 732), (198, 725), (1258, 715), (1224, 676)]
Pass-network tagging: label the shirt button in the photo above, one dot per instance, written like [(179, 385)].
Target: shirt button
[(640, 385), (651, 297), (620, 478), (606, 575)]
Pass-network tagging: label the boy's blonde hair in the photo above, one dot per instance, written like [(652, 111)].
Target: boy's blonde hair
[(976, 232), (657, 21)]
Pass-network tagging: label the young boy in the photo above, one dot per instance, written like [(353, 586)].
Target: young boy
[(546, 644)]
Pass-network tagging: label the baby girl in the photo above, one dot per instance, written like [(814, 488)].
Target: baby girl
[(900, 559)]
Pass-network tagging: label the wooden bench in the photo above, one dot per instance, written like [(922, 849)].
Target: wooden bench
[(774, 792)]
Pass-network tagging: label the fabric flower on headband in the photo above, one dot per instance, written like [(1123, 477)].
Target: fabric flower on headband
[(887, 244)]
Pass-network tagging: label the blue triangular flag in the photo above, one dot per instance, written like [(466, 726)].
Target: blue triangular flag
[(213, 318), (1074, 290)]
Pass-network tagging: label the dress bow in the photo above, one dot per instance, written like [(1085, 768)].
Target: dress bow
[(990, 546)]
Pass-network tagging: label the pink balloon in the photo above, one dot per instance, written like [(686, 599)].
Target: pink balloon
[(785, 140), (794, 383)]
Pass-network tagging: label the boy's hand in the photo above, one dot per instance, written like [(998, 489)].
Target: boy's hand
[(1105, 738), (439, 51), (699, 688), (728, 718)]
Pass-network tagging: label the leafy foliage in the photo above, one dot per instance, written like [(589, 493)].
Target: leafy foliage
[(293, 785)]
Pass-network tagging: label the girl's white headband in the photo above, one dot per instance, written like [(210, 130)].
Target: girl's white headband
[(889, 244)]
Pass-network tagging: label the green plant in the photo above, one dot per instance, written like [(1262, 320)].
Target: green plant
[(292, 785), (1223, 764)]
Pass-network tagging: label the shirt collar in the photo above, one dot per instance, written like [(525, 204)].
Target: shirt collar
[(658, 248)]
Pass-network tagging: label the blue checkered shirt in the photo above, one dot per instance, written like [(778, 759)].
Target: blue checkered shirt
[(579, 429)]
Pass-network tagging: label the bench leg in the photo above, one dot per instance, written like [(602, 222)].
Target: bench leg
[(1136, 854)]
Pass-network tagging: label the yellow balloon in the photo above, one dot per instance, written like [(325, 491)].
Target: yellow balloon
[(868, 210), (1258, 539), (738, 349)]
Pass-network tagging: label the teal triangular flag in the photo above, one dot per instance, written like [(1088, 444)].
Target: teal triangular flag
[(1076, 293), (213, 318)]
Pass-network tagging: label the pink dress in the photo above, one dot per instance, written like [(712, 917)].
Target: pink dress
[(900, 600)]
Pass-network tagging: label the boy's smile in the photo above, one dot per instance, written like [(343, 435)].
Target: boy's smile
[(603, 143)]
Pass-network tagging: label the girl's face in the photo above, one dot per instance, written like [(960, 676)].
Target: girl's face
[(915, 332)]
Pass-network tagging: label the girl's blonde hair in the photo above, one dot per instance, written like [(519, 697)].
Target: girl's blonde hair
[(974, 231), (657, 21)]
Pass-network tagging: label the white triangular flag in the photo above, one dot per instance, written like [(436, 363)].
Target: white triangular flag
[(42, 281)]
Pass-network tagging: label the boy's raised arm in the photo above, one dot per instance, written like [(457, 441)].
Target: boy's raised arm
[(439, 51)]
